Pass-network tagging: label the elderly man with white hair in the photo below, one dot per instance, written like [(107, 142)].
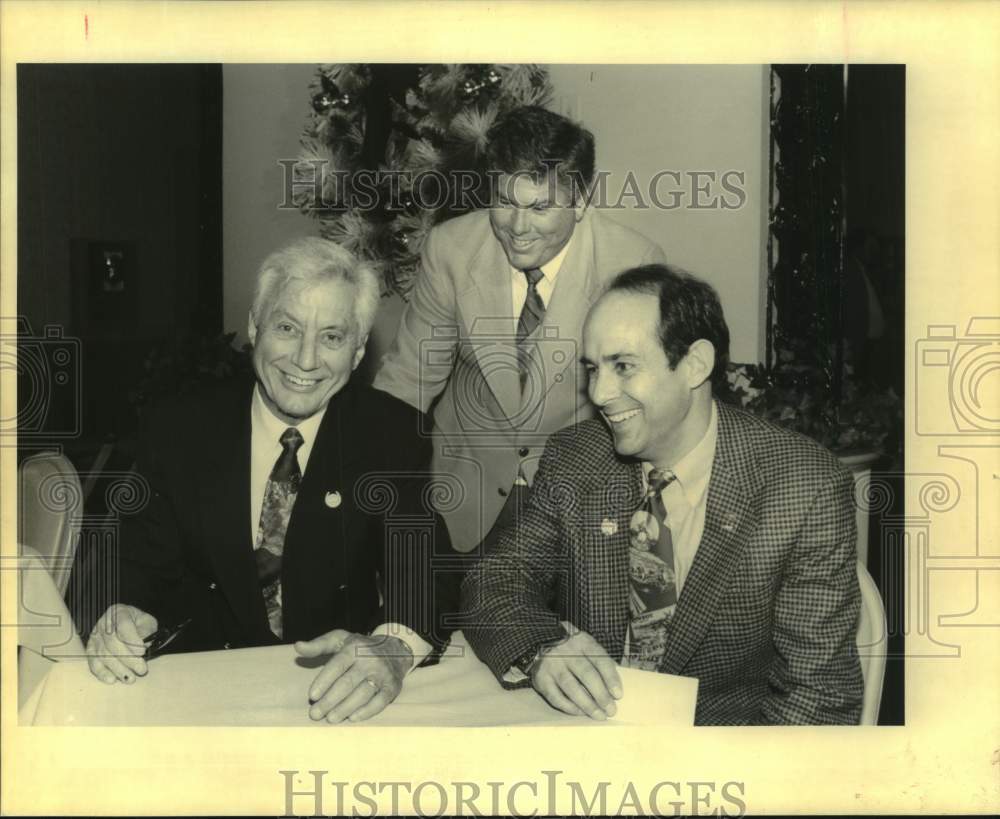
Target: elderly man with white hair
[(287, 509)]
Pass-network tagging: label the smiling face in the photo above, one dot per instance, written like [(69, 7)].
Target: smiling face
[(305, 346), (657, 414), (533, 221)]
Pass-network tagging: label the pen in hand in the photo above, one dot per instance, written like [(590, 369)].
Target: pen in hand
[(162, 637)]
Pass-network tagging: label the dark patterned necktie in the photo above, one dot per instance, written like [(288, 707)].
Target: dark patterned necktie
[(531, 316), (653, 584), (275, 512)]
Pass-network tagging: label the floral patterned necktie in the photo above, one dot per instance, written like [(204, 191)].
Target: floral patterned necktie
[(653, 584), (275, 512)]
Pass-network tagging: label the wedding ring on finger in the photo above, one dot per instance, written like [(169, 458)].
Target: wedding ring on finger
[(373, 684)]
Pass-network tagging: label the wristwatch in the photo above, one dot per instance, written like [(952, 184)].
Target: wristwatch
[(526, 662)]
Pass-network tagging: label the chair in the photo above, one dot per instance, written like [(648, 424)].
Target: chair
[(50, 510), (872, 643), (45, 633)]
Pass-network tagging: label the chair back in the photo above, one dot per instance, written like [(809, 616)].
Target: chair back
[(50, 501), (45, 629), (872, 641)]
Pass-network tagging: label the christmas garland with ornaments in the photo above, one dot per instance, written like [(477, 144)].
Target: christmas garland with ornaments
[(390, 150)]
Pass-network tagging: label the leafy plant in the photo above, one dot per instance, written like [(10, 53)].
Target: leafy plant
[(801, 397), (418, 125), (187, 362)]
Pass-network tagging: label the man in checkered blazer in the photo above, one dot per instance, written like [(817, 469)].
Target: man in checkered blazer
[(762, 584)]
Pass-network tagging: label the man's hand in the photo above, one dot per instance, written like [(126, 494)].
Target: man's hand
[(362, 677), (116, 646), (577, 676)]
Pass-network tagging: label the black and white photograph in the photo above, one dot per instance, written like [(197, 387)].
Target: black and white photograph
[(361, 401)]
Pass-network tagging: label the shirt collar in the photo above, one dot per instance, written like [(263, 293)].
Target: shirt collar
[(552, 267), (694, 470), (271, 428)]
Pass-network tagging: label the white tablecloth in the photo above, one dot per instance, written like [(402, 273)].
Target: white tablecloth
[(269, 687)]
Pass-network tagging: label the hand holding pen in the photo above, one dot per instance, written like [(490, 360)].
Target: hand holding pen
[(157, 642), (122, 642)]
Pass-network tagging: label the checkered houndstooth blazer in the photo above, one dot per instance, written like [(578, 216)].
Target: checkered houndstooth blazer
[(767, 616)]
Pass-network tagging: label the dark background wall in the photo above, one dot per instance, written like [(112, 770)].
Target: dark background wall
[(875, 153), (875, 149), (875, 143), (126, 155)]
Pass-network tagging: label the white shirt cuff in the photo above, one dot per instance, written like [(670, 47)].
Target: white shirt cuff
[(417, 644), (514, 675)]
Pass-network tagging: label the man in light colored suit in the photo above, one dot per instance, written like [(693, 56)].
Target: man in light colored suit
[(490, 339), (677, 534)]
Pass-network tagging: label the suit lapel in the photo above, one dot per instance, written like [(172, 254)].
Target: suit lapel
[(225, 512), (729, 522), (486, 305), (561, 330), (315, 540), (607, 560)]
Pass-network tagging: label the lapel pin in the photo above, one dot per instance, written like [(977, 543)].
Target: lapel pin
[(608, 527), (729, 521), (333, 499)]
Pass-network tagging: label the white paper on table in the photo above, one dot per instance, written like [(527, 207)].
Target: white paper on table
[(652, 698)]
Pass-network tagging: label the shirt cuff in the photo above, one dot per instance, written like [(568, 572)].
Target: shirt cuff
[(417, 644)]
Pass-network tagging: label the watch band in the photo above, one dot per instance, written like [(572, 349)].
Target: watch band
[(526, 662)]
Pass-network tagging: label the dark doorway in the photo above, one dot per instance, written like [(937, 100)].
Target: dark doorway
[(119, 237), (836, 290)]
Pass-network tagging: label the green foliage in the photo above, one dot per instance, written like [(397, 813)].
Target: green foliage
[(187, 362), (418, 124), (800, 397)]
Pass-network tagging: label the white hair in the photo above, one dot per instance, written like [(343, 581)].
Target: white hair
[(310, 260)]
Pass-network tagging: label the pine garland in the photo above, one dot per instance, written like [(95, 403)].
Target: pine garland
[(411, 120)]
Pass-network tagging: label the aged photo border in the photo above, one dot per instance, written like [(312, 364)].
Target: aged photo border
[(945, 758)]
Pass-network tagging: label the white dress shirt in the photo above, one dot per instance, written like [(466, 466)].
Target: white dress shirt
[(545, 286), (265, 447), (685, 499)]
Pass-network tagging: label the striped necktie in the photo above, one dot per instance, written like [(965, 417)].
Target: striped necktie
[(275, 512), (531, 316)]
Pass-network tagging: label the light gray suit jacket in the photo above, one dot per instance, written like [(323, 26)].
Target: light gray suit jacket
[(455, 354)]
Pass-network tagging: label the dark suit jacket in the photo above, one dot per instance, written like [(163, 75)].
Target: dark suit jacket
[(767, 616), (189, 551)]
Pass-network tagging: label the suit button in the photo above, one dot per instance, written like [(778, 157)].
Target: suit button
[(211, 587), (523, 452), (343, 587), (227, 646), (502, 492)]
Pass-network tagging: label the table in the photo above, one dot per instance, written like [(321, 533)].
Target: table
[(268, 687)]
